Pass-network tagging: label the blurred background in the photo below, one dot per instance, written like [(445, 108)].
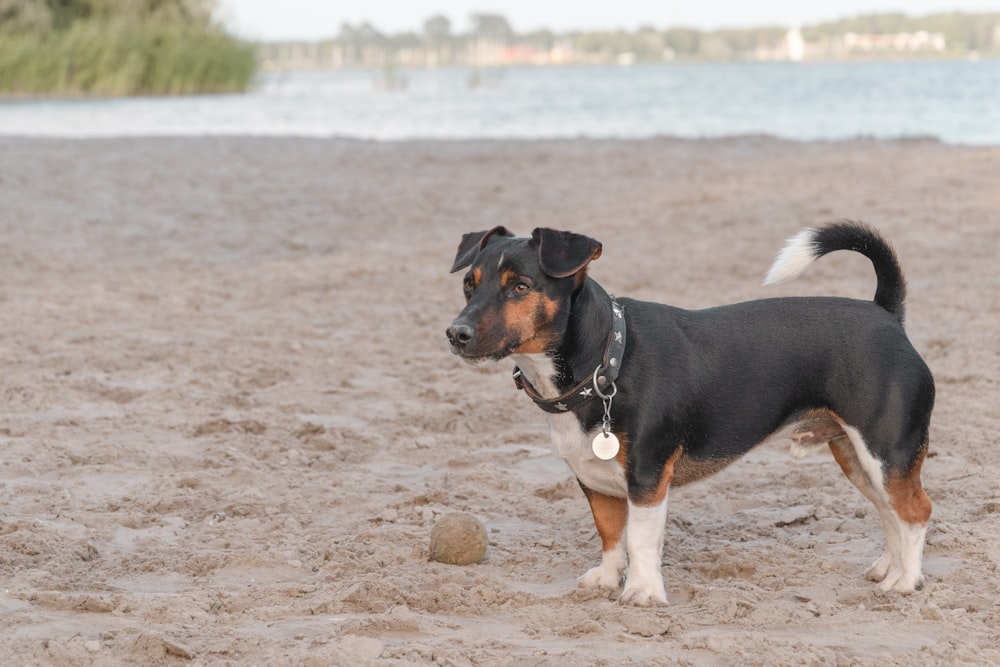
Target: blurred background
[(393, 70)]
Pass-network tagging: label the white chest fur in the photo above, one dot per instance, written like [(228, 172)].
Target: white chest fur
[(572, 443)]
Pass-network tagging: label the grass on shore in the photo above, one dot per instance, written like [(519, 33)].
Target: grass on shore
[(125, 58)]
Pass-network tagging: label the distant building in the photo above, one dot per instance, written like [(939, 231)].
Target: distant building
[(792, 48), (900, 42), (793, 45)]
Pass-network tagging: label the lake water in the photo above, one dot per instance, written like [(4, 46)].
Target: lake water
[(956, 101)]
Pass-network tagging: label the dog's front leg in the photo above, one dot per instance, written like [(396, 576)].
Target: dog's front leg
[(647, 516), (644, 535), (609, 516)]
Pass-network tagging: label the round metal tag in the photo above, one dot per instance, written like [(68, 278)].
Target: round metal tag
[(606, 446)]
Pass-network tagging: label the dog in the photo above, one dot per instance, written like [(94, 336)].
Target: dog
[(643, 396)]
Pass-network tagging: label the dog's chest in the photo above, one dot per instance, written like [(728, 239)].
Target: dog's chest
[(571, 441), (576, 446)]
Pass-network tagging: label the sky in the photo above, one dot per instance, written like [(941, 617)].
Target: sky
[(321, 19)]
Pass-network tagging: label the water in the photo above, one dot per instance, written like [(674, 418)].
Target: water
[(954, 101)]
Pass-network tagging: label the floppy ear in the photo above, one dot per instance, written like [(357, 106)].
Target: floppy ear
[(472, 243), (561, 254)]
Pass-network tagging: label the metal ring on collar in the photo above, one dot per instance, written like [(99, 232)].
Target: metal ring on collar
[(597, 389)]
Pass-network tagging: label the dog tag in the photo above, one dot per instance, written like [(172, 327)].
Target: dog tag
[(606, 446)]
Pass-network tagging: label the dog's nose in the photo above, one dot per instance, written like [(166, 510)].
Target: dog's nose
[(459, 334)]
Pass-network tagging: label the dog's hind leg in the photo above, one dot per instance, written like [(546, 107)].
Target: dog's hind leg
[(902, 504), (912, 510), (845, 455)]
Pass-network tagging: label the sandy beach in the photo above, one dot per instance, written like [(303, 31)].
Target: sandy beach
[(230, 417)]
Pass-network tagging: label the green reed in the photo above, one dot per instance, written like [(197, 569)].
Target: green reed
[(125, 57)]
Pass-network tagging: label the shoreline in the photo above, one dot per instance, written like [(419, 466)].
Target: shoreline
[(750, 137)]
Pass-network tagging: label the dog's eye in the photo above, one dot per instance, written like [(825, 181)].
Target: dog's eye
[(521, 288), (469, 284)]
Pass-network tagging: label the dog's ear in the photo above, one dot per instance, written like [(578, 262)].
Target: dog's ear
[(472, 243), (561, 254)]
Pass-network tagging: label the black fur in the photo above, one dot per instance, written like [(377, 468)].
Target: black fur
[(699, 388), (859, 237)]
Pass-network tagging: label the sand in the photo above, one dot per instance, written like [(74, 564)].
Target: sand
[(230, 417)]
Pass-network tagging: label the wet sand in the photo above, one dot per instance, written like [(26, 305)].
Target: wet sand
[(230, 418)]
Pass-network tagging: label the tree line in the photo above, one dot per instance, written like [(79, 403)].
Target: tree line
[(963, 32), (118, 47)]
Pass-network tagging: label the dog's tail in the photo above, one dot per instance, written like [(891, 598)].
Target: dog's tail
[(810, 244)]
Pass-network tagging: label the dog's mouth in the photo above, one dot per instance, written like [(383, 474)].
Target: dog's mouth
[(464, 354), (476, 357)]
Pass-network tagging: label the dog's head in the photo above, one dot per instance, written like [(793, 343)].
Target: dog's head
[(517, 290)]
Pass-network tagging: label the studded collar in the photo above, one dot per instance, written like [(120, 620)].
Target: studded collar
[(600, 382)]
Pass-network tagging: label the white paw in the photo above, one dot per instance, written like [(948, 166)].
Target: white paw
[(901, 582), (600, 577), (880, 568), (639, 595)]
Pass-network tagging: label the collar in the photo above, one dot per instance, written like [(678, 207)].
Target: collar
[(597, 384)]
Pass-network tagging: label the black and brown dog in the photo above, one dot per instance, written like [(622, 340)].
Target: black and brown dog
[(643, 396)]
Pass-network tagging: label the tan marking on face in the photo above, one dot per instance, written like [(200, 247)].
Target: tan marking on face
[(508, 278), (907, 495), (610, 516), (519, 314), (666, 476), (527, 318), (551, 307)]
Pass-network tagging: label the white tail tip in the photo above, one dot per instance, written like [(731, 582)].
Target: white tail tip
[(794, 258)]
